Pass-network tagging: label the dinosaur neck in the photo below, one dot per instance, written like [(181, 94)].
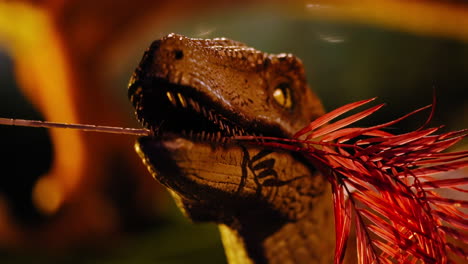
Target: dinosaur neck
[(253, 239)]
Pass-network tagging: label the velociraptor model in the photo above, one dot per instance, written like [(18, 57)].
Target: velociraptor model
[(194, 95)]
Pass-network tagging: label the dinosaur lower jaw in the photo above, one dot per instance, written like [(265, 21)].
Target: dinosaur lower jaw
[(171, 110), (199, 173)]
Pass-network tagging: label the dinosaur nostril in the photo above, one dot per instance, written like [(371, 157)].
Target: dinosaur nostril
[(178, 54)]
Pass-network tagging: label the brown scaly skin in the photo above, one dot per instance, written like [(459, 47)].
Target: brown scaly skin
[(272, 207)]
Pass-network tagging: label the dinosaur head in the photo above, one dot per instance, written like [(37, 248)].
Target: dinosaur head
[(194, 95)]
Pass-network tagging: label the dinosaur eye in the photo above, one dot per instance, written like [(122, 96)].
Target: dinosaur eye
[(282, 95)]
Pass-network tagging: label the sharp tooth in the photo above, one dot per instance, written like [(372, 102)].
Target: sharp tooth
[(138, 90), (182, 100), (253, 134), (190, 134), (196, 106), (193, 104), (171, 98), (221, 124), (202, 136), (210, 113), (218, 135), (203, 110), (261, 135), (228, 129)]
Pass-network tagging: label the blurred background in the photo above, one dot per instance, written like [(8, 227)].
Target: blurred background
[(77, 197)]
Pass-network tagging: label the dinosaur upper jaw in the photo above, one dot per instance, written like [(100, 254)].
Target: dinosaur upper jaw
[(172, 110)]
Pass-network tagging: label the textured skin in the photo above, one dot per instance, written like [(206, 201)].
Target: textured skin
[(272, 207)]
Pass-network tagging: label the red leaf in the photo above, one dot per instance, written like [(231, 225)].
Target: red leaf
[(448, 201), (398, 218), (436, 169), (455, 233), (344, 122), (445, 183), (388, 249), (454, 220), (330, 116), (378, 127), (450, 210), (457, 250), (342, 209)]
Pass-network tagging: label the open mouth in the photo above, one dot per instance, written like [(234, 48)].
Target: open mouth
[(170, 109)]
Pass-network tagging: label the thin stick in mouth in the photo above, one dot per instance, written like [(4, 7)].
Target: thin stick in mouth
[(83, 127)]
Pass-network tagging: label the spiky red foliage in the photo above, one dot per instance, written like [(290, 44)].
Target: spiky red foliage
[(384, 183)]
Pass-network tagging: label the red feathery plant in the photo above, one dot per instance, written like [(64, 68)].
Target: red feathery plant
[(384, 182)]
